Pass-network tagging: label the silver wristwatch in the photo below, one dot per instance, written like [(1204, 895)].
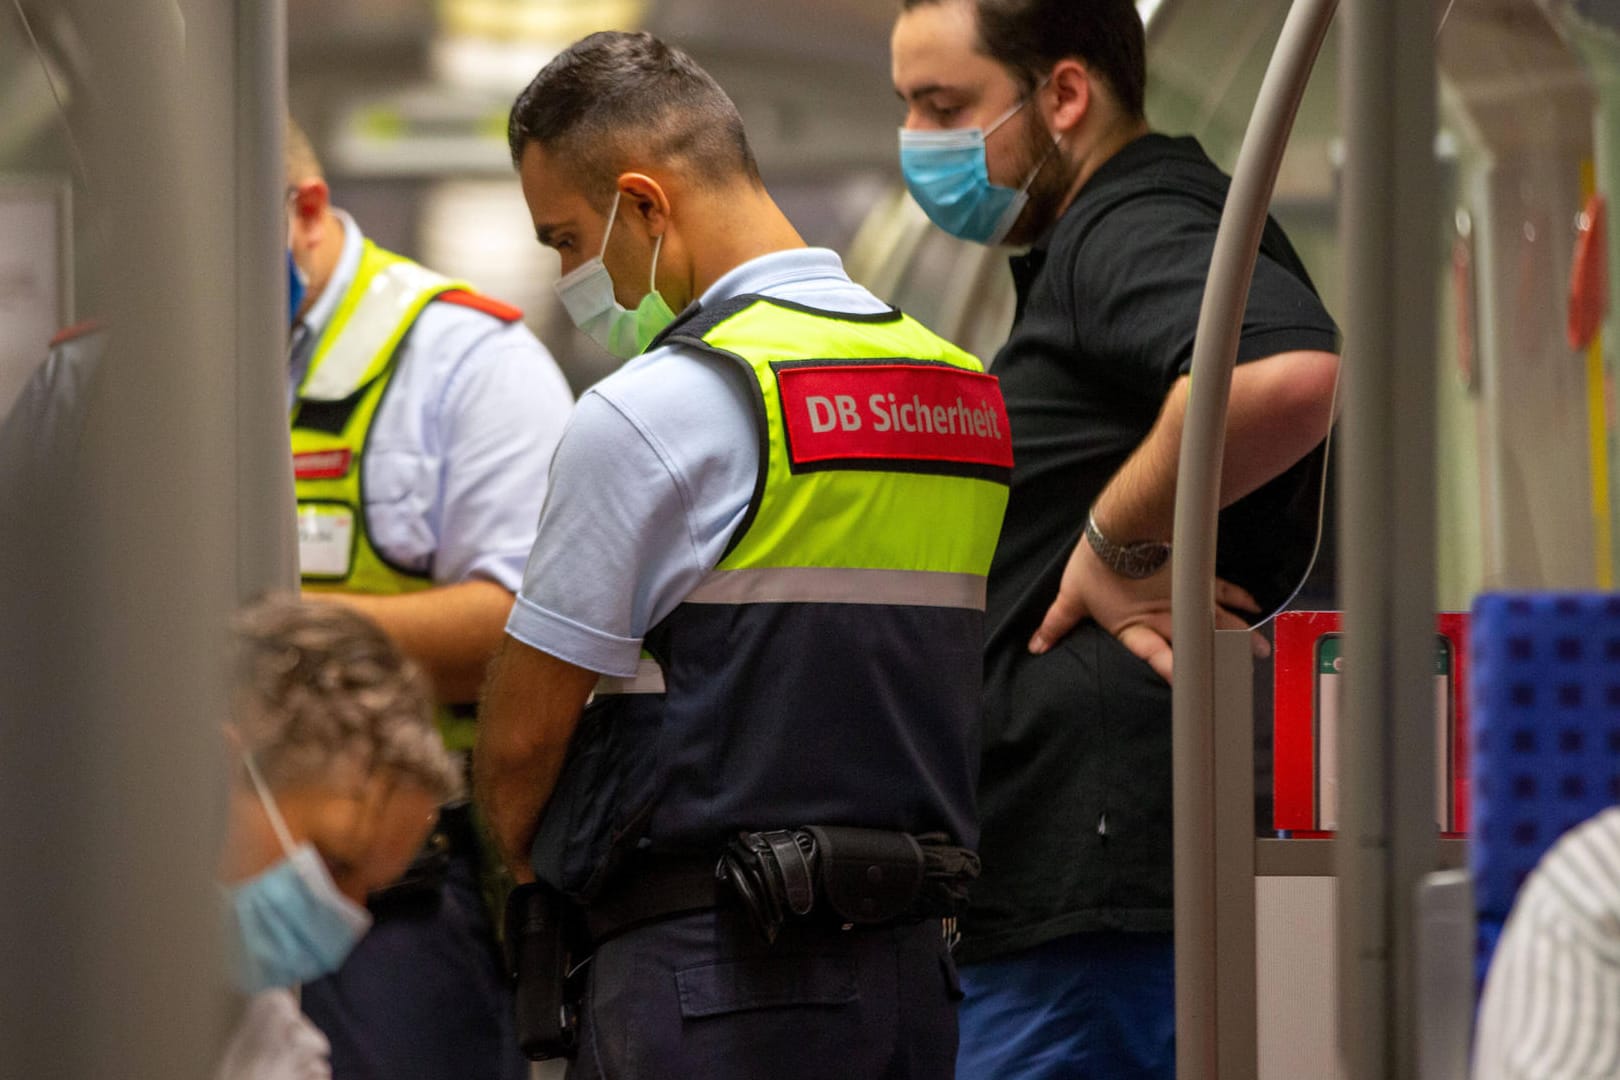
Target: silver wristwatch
[(1137, 560)]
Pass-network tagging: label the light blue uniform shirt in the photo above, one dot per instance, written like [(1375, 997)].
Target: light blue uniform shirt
[(653, 476), (455, 466)]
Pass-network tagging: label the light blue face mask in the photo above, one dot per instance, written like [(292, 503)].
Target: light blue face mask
[(293, 924), (587, 294), (949, 176)]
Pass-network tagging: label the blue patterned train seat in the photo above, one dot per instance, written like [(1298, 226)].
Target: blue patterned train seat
[(1545, 688)]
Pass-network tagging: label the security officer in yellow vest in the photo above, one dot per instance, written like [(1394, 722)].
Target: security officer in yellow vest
[(424, 417), (780, 516)]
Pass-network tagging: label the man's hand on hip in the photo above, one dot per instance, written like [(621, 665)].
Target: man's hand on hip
[(1137, 612)]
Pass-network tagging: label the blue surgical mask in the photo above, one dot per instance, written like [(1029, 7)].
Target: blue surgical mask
[(587, 293), (949, 176), (297, 285), (294, 925)]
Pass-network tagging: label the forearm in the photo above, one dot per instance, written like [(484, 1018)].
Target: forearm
[(1139, 502), (513, 778), (450, 630), (1279, 410), (531, 708)]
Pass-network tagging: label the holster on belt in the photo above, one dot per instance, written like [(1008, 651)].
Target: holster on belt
[(541, 943), (851, 876)]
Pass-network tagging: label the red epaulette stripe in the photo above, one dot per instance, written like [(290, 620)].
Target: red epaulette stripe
[(89, 326), (480, 302)]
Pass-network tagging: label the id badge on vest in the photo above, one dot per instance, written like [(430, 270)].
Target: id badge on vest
[(325, 540)]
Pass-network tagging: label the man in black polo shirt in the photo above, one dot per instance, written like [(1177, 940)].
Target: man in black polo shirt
[(1025, 125)]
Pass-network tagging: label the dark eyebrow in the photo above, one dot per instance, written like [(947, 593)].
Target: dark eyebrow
[(544, 233), (924, 91)]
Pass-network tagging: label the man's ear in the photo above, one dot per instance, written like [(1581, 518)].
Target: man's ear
[(308, 204), (1071, 87), (642, 197)]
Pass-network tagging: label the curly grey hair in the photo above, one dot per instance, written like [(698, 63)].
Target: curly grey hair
[(318, 684)]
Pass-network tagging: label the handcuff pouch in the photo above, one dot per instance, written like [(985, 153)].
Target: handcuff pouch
[(867, 875)]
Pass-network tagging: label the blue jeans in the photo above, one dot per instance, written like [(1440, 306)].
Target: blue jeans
[(1086, 1007)]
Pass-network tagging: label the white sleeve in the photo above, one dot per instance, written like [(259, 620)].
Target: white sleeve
[(503, 413), (612, 535), (651, 479), (1551, 1008), (275, 1041)]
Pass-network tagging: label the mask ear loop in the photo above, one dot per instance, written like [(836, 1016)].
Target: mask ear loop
[(1016, 206), (1023, 188), (277, 822), (1057, 140), (1012, 112), (652, 276), (613, 212)]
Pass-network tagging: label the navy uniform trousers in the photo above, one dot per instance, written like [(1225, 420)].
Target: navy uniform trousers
[(703, 996), (423, 996)]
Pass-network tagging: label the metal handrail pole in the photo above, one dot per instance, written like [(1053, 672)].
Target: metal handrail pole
[(148, 575), (1387, 531), (267, 551), (1220, 323)]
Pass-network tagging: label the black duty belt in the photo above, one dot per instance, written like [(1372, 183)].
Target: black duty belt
[(658, 888), (832, 875)]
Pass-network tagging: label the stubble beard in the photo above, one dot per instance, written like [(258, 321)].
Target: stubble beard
[(1047, 190)]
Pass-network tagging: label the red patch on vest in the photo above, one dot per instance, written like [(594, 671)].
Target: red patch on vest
[(479, 302), (322, 464), (89, 326), (865, 413)]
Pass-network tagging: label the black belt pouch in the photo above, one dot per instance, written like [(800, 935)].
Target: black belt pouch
[(868, 875)]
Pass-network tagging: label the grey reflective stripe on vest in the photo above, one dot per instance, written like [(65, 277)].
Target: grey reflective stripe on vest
[(388, 299), (829, 585), (648, 679)]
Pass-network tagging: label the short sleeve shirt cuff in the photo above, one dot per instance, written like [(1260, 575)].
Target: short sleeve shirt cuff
[(572, 642)]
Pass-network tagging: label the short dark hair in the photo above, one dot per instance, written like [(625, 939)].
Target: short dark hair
[(613, 92), (1029, 36)]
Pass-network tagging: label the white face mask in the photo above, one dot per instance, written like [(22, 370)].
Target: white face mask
[(587, 294)]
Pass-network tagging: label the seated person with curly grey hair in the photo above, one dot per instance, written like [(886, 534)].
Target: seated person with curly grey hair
[(337, 774)]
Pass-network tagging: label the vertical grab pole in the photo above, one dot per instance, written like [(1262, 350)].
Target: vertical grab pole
[(267, 553), (1387, 534), (1202, 1023), (123, 899)]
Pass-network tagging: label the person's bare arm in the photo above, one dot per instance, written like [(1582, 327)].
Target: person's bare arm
[(530, 710), (1279, 410), (451, 630)]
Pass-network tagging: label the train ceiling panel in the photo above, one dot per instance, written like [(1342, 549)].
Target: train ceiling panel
[(1521, 84), (422, 94)]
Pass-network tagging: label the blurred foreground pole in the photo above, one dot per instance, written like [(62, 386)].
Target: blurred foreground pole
[(119, 574), (1216, 1024), (267, 545), (1387, 537)]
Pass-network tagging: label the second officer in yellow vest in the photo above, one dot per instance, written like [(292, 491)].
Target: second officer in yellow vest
[(424, 417), (764, 551)]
